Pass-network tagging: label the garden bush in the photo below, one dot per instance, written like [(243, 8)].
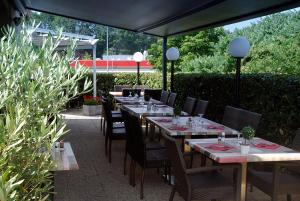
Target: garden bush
[(276, 97), (35, 85)]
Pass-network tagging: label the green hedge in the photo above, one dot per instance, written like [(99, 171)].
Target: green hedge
[(276, 97)]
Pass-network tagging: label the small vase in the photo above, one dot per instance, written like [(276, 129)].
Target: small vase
[(245, 148)]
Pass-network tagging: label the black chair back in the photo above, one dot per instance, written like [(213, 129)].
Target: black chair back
[(172, 99), (189, 105), (200, 107), (108, 115), (238, 118), (136, 141), (126, 92), (153, 93), (182, 183), (296, 141), (164, 97)]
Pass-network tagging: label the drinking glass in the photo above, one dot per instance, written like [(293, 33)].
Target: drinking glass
[(201, 121)]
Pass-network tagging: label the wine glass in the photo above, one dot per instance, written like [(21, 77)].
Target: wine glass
[(201, 121)]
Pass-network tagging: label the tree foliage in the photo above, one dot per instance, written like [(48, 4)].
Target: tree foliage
[(35, 85), (275, 47), (120, 41)]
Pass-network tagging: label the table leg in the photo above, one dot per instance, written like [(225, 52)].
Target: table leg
[(242, 183), (151, 132)]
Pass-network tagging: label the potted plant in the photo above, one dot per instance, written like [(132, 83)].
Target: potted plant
[(176, 113), (91, 105), (248, 134)]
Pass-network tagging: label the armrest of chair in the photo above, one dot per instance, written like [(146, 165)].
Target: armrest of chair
[(202, 169), (188, 153), (289, 164)]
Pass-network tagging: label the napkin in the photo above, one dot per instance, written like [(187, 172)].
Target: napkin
[(178, 128), (219, 147), (266, 146)]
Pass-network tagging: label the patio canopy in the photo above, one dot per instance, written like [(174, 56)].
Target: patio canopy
[(161, 17)]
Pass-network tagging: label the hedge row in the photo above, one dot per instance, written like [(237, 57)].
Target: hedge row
[(276, 97)]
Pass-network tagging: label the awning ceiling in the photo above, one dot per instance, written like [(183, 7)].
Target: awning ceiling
[(161, 17)]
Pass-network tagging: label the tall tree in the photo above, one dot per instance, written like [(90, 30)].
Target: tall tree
[(120, 41)]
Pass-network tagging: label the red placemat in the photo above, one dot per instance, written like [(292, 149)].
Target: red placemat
[(266, 146), (217, 127), (219, 147), (164, 120), (178, 128)]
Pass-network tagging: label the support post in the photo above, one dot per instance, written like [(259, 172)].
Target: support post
[(164, 64), (94, 72), (138, 73), (237, 82), (172, 76)]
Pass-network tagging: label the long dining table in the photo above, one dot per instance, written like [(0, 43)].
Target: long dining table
[(229, 151), (197, 126), (126, 100)]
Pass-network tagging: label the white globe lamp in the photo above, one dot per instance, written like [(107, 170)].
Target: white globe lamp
[(138, 57), (172, 55), (238, 48)]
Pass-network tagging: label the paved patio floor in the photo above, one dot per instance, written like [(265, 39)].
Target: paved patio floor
[(97, 180)]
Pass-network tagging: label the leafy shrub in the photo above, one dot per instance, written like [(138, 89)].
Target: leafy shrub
[(35, 85), (276, 97)]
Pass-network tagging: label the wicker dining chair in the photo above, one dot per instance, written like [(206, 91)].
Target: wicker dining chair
[(202, 182), (237, 118), (126, 92), (189, 105), (153, 93), (140, 154), (116, 116), (172, 99), (200, 107), (150, 145), (279, 182), (164, 97), (113, 132)]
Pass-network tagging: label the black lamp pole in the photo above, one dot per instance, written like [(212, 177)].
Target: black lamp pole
[(237, 81), (138, 73), (172, 76)]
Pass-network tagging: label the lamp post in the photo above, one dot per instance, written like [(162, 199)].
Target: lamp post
[(238, 48), (138, 57), (172, 55)]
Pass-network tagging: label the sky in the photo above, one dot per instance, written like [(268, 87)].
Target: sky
[(247, 23)]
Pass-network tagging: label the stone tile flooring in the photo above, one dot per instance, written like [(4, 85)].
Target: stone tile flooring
[(97, 180)]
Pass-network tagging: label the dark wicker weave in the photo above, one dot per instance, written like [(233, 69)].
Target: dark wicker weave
[(189, 105), (172, 99), (187, 181), (200, 107)]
